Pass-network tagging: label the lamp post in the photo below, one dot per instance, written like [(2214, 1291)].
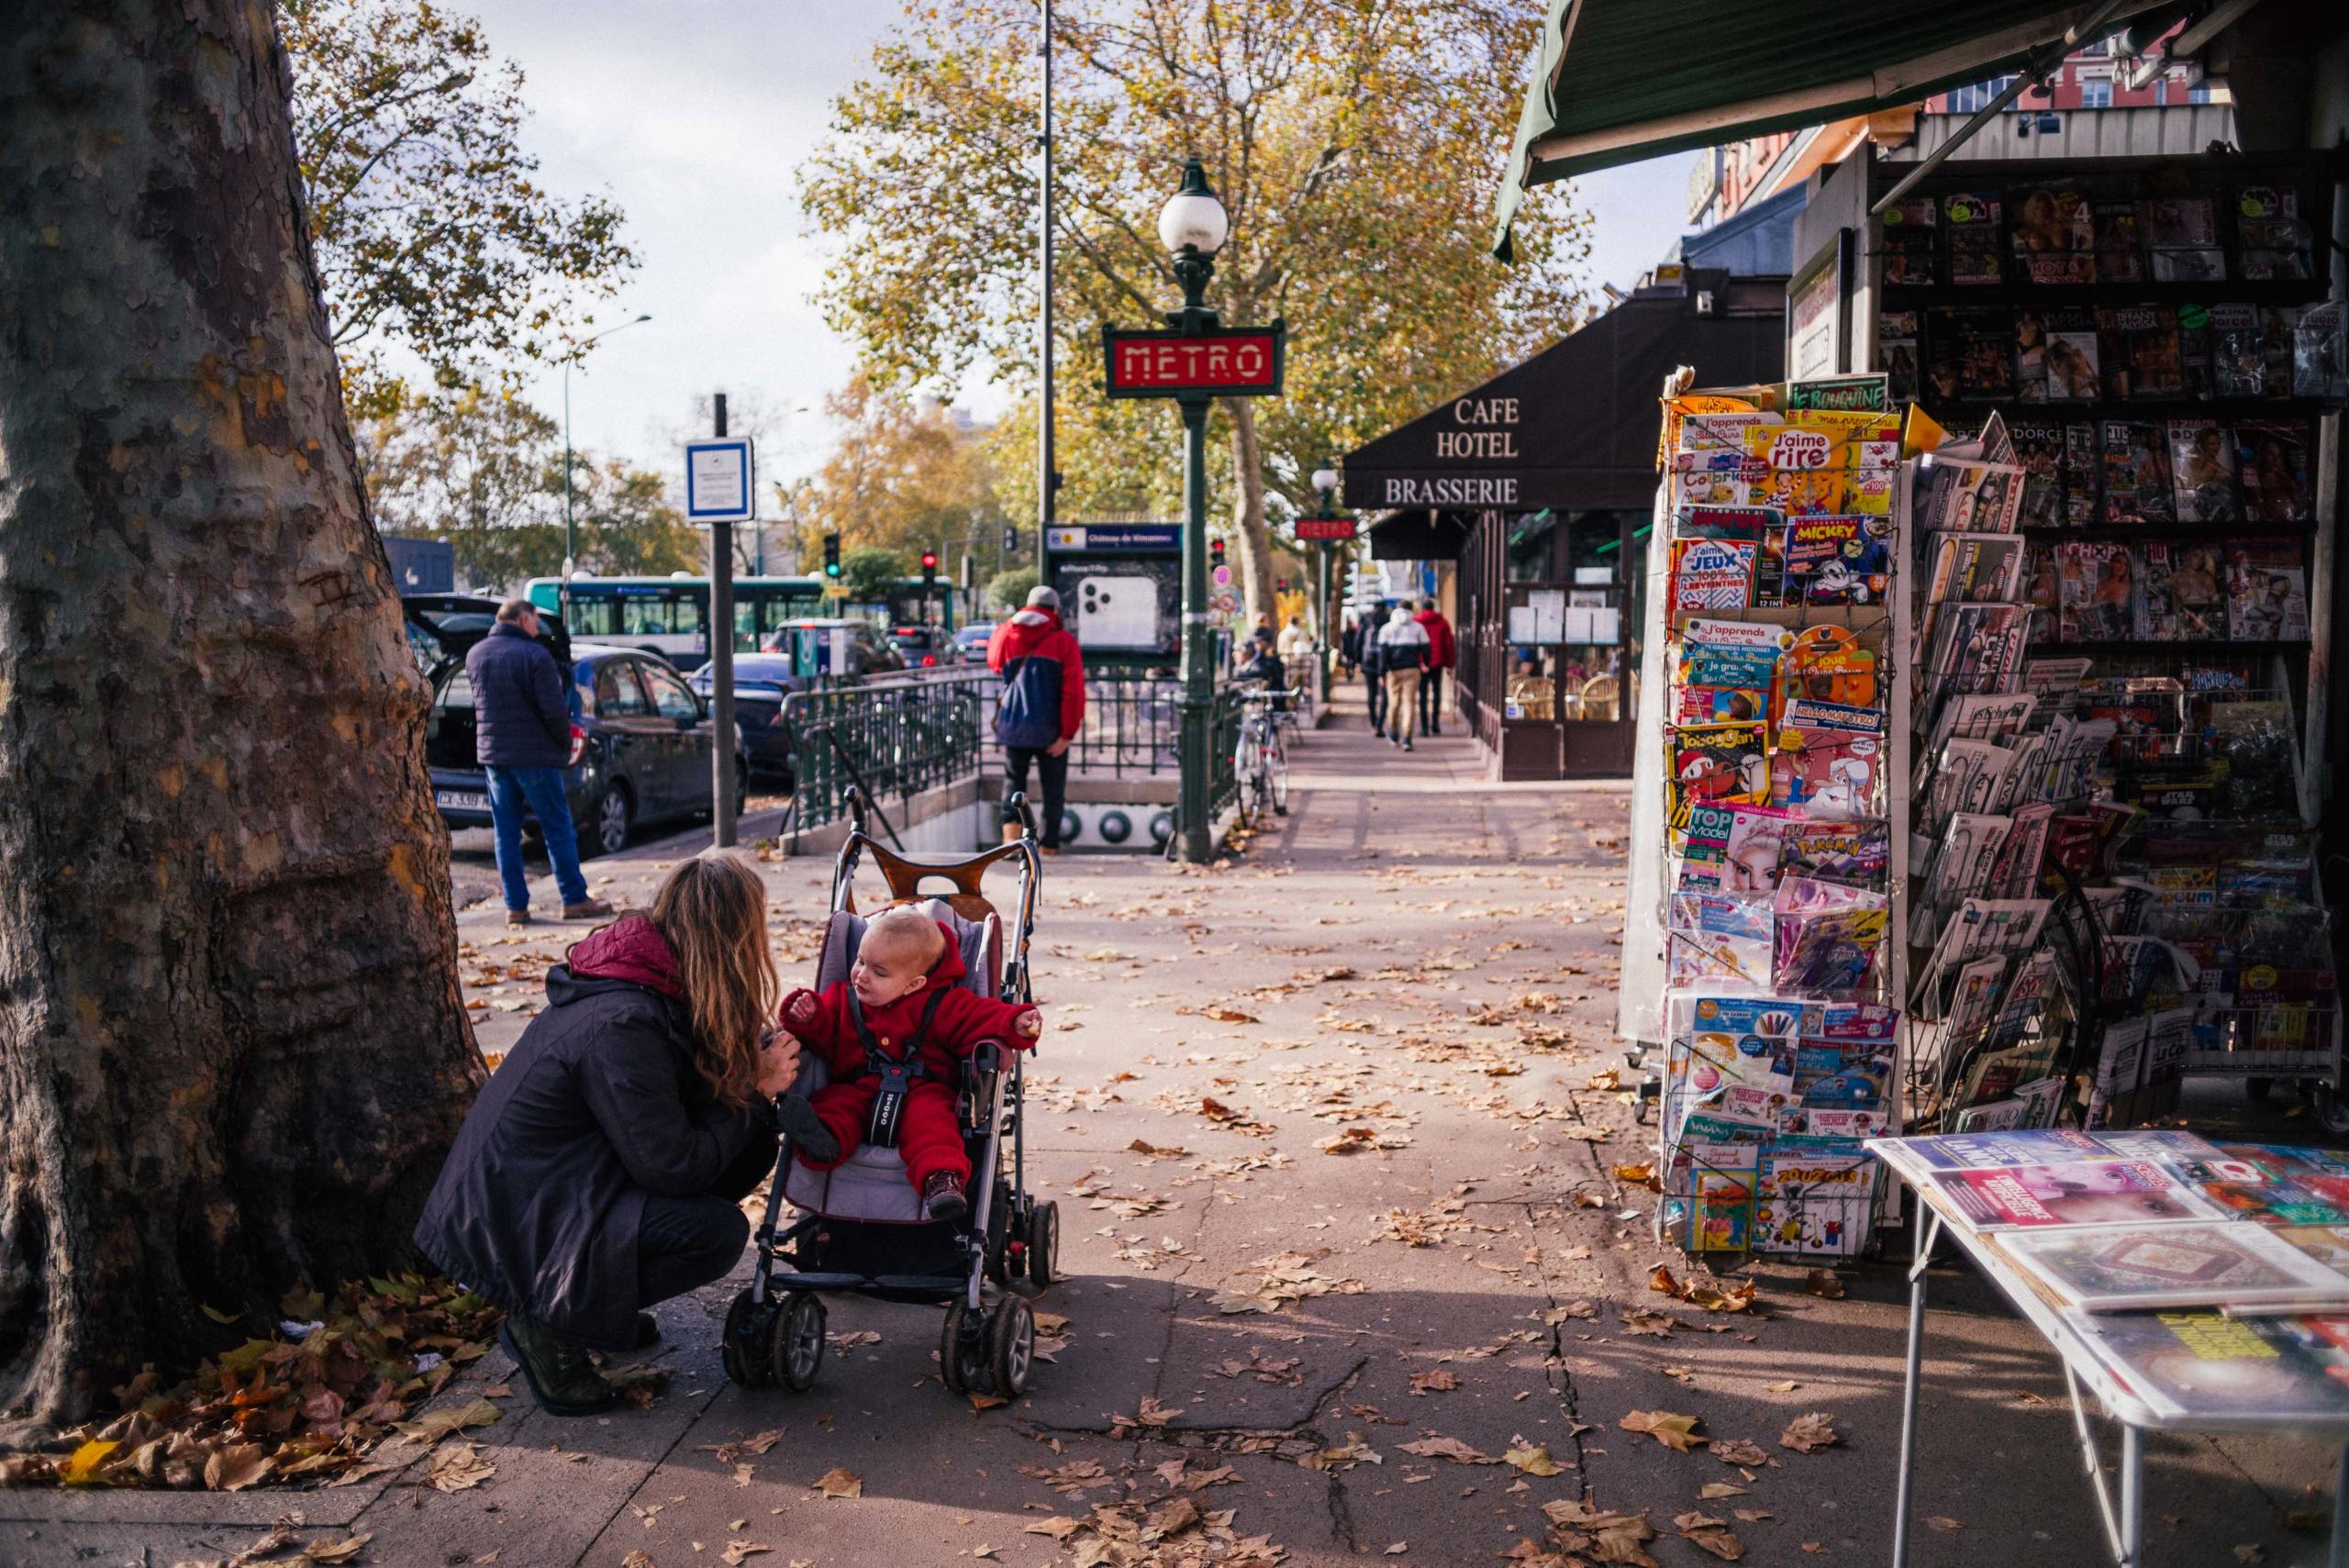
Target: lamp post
[(1193, 226), (570, 529), (1325, 481)]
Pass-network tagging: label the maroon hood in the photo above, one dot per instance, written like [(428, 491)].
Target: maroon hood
[(629, 950)]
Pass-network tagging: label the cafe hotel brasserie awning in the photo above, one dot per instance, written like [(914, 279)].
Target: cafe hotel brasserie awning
[(1572, 429)]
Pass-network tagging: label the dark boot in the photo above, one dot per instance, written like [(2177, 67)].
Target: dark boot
[(648, 1330), (563, 1380), (942, 1196), (806, 1129)]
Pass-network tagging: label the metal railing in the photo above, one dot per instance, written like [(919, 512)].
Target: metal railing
[(1223, 750), (1130, 727), (890, 739)]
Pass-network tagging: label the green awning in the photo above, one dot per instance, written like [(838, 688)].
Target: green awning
[(1617, 81)]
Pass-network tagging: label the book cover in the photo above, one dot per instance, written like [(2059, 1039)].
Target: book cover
[(2131, 1268), (2074, 356), (2272, 463), (2271, 238), (1972, 226), (1907, 232), (2202, 472), (2182, 240), (2089, 1192), (2053, 235), (2142, 358), (2266, 593), (2120, 240), (2139, 484)]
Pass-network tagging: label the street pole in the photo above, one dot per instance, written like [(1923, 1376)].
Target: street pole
[(721, 663), (1329, 639), (1047, 482), (1195, 708)]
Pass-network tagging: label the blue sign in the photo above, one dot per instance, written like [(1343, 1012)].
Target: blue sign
[(1124, 538), (718, 481)]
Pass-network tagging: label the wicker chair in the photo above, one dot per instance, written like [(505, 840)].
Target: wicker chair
[(1599, 698), (1534, 696)]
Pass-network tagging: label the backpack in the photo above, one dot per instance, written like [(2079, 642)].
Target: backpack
[(1027, 711)]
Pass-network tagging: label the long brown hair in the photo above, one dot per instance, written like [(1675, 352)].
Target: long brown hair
[(712, 911)]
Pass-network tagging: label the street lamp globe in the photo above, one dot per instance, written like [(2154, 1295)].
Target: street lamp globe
[(1325, 480), (1193, 220)]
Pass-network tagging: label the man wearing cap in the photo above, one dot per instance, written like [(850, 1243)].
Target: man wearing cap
[(1040, 708)]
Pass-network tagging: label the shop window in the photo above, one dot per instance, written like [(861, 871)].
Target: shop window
[(2096, 93)]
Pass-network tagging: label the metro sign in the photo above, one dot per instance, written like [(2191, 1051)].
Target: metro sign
[(1218, 362), (1324, 528)]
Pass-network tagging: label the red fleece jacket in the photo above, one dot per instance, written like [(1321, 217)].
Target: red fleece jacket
[(965, 1018), (633, 949)]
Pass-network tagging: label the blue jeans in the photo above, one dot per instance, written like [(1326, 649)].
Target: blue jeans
[(541, 788)]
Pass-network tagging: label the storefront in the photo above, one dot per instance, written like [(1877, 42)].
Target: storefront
[(1540, 486)]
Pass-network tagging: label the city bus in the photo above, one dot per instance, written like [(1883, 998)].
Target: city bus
[(670, 615)]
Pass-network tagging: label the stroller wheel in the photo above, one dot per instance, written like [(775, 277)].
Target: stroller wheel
[(799, 1341), (1044, 1244), (961, 1367), (748, 1349), (1011, 1345)]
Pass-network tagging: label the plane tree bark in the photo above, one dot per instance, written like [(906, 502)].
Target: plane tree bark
[(232, 1050)]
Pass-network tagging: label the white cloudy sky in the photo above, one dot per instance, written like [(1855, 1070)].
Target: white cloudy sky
[(694, 115)]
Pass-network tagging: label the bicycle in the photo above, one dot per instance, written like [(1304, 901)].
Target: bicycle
[(1259, 761)]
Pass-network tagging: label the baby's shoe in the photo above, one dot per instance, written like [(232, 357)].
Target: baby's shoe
[(942, 1195)]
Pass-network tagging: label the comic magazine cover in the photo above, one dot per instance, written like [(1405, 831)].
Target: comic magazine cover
[(1712, 573), (1837, 561), (2074, 357), (2198, 595), (1718, 704), (1717, 939), (1826, 664), (1827, 938), (2083, 473), (1831, 774), (2052, 232), (1726, 522), (1896, 349), (2266, 593), (2155, 616), (1910, 251), (2202, 471), (2272, 460), (2139, 484), (1718, 764), (2270, 237), (1723, 1178), (1751, 856), (2120, 241), (1705, 838), (2182, 240), (2039, 449), (1731, 653), (2236, 369), (1971, 225), (1815, 1204), (1857, 853), (2090, 1192)]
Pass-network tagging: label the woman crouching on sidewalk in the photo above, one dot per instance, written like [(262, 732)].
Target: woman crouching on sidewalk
[(601, 1169)]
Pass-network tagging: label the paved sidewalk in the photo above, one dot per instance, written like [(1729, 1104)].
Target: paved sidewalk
[(1414, 967)]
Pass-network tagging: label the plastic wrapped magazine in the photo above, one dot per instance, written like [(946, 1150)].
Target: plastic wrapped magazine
[(2197, 1363), (1828, 938), (2272, 458), (2202, 468), (1719, 940), (2135, 1268), (1855, 853), (2089, 1191)]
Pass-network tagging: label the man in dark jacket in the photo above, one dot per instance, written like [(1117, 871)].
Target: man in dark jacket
[(597, 1173), (1443, 653), (522, 740), (1373, 678), (1042, 708)]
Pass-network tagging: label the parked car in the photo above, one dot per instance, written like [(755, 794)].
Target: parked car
[(808, 643), (761, 683), (446, 626), (923, 647), (971, 643), (641, 747)]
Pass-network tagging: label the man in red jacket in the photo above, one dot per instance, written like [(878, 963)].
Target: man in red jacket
[(1443, 653), (1042, 707)]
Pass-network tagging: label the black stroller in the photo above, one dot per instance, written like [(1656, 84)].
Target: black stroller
[(861, 1227)]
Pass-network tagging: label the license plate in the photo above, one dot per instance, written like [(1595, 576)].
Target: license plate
[(461, 799)]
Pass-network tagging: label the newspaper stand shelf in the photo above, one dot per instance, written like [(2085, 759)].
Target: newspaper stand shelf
[(2121, 1506)]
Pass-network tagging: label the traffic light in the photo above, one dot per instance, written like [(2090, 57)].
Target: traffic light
[(1010, 539), (831, 555), (928, 570), (1215, 552), (1280, 585)]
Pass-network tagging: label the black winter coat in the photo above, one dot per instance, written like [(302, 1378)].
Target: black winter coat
[(596, 1106), (522, 713)]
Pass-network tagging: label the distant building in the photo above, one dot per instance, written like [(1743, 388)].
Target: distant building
[(422, 565)]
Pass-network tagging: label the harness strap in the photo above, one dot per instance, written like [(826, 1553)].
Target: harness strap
[(896, 1074)]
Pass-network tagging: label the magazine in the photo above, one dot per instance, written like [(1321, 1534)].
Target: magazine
[(2198, 595), (2138, 484), (2083, 473), (2266, 593), (1896, 349), (1908, 230), (1975, 648), (1717, 939), (2200, 1364), (1752, 852), (2131, 1268), (2236, 367), (2051, 1146), (1817, 1205), (1837, 561), (2099, 591), (2089, 1192), (2156, 608), (2202, 470), (2044, 588), (1971, 225), (2194, 370), (1856, 853), (1828, 762), (2142, 360), (1718, 764), (2271, 239), (2053, 234), (1968, 496), (2039, 450), (1827, 938), (2120, 240), (2272, 460), (2030, 333), (2182, 240), (1994, 716), (2278, 323), (1712, 573), (2074, 357), (1723, 1178)]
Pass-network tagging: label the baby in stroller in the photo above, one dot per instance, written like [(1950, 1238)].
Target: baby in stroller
[(891, 1035)]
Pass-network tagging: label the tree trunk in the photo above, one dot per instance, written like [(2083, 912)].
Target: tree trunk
[(232, 1051), (1247, 508)]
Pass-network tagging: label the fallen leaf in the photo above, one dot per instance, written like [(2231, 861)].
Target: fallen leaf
[(1436, 1382), (1741, 1450), (1057, 1528), (218, 1316), (81, 1469), (1229, 1016), (1943, 1521), (460, 1468), (351, 1546), (2250, 1551), (838, 1483), (1807, 1434), (636, 1560), (1708, 1534), (1714, 1489), (1823, 1284), (1451, 1448), (984, 1401), (1639, 1176), (232, 1467), (736, 1550), (434, 1425), (1396, 1549), (1677, 1432), (1530, 1458), (1788, 1386)]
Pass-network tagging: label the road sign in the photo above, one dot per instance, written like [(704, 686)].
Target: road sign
[(718, 479), (1324, 528), (1227, 602), (836, 590), (1222, 575), (1218, 362), (1121, 537)]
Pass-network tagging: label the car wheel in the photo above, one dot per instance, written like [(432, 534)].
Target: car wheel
[(609, 823)]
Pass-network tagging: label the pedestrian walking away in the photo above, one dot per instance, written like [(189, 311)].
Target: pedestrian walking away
[(1443, 653), (1403, 652), (1040, 709), (604, 1166), (1349, 645), (522, 740), (1374, 687)]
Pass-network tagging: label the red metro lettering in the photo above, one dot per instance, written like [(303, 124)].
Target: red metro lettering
[(1180, 362)]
